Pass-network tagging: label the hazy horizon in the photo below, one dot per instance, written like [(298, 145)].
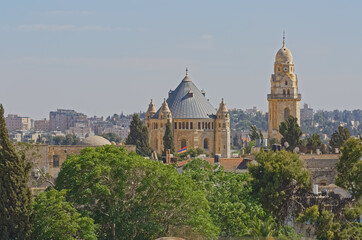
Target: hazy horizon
[(101, 58)]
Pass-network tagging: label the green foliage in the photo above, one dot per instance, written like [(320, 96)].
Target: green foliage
[(112, 137), (54, 218), (250, 145), (275, 177), (69, 139), (338, 138), (291, 132), (232, 207), (310, 216), (314, 143), (326, 229), (254, 133), (139, 136), (131, 197), (241, 120), (288, 233), (168, 142), (349, 167), (15, 198)]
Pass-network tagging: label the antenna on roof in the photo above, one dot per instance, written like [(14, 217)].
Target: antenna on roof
[(283, 38), (187, 72)]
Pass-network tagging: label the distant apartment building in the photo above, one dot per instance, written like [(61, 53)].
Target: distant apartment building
[(41, 125), (17, 122), (80, 130), (63, 119), (306, 113)]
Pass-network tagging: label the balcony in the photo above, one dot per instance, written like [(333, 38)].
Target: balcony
[(282, 96)]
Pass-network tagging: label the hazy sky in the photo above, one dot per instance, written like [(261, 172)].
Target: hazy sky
[(105, 57)]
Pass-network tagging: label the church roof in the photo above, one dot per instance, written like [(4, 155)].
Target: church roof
[(187, 101)]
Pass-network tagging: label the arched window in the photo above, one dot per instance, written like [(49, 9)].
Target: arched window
[(199, 125), (203, 125), (206, 143), (183, 143), (175, 125), (283, 92), (286, 82), (286, 113), (183, 125), (191, 125), (208, 126), (187, 125)]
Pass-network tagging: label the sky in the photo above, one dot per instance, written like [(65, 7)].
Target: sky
[(105, 57)]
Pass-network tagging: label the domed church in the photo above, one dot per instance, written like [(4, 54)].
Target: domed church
[(284, 99), (195, 122)]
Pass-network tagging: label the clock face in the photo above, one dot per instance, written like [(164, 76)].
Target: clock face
[(285, 69)]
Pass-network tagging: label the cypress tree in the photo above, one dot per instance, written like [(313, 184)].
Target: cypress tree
[(15, 197), (138, 136), (168, 142)]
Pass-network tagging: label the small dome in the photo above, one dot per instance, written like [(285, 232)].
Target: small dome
[(96, 141), (284, 56)]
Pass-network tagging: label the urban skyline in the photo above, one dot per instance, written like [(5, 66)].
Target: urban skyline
[(102, 59)]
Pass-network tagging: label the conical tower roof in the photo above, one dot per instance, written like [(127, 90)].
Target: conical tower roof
[(187, 101), (151, 107)]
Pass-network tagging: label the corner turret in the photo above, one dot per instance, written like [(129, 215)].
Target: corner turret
[(165, 112), (151, 110)]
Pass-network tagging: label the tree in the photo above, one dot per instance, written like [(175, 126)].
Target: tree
[(130, 197), (349, 167), (15, 197), (232, 207), (339, 137), (291, 132), (314, 142), (54, 218), (168, 142), (112, 137), (139, 136), (275, 178), (254, 134)]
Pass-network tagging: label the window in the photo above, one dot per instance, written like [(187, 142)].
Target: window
[(288, 92), (183, 143), (208, 125), (224, 125), (199, 125), (191, 125), (286, 113), (286, 82), (55, 160), (203, 125), (175, 125), (212, 125), (187, 125), (179, 125), (183, 125), (283, 92), (206, 143)]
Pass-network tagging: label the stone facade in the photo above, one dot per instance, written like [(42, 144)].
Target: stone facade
[(195, 123), (16, 122), (284, 99)]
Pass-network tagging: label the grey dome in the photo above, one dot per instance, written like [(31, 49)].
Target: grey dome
[(187, 101)]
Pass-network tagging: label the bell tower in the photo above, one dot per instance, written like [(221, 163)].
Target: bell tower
[(284, 99)]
